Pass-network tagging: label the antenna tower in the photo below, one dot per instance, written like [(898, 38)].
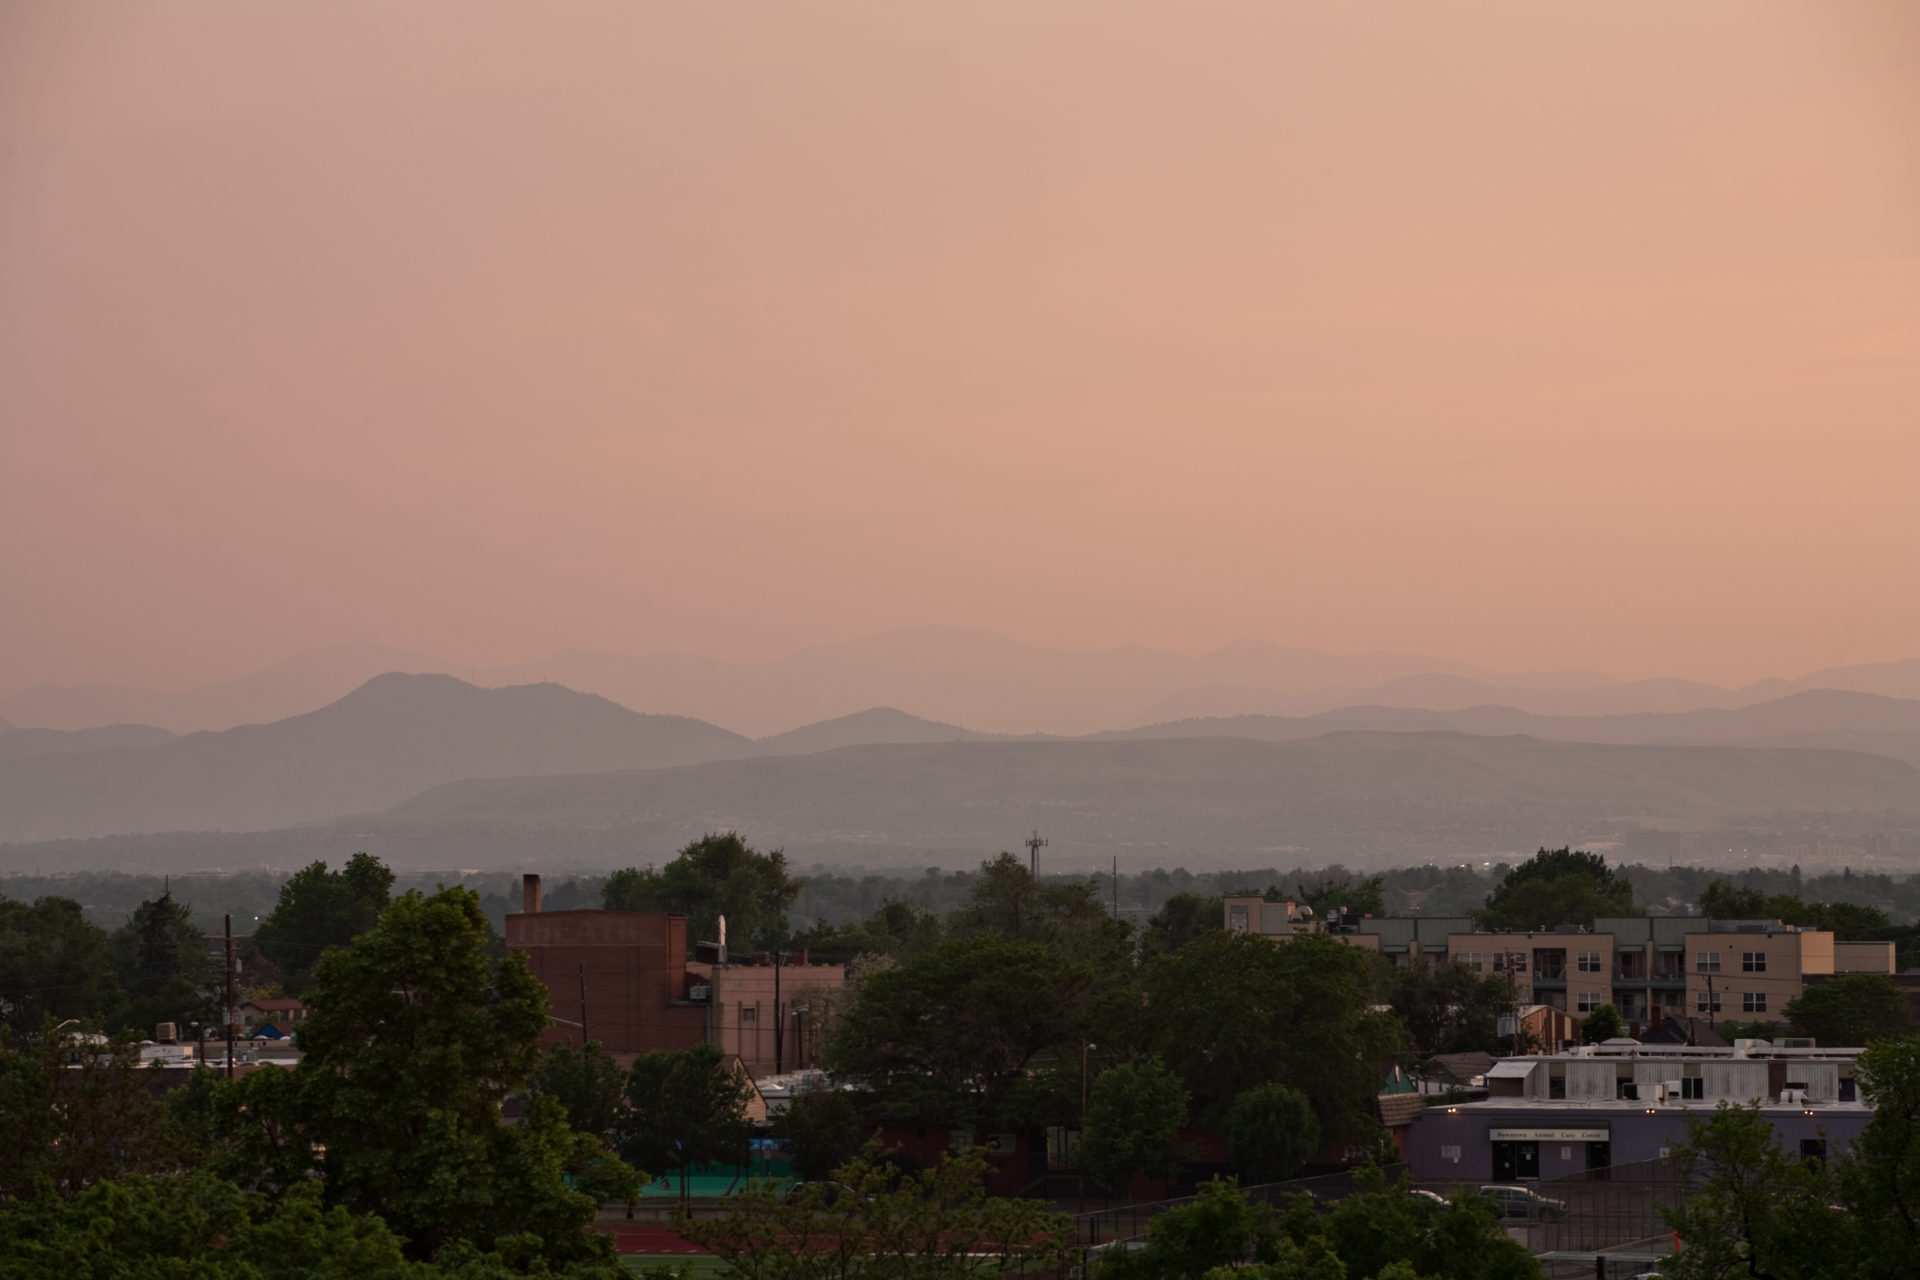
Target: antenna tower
[(1034, 845)]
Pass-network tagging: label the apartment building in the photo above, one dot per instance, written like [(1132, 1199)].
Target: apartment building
[(1650, 968)]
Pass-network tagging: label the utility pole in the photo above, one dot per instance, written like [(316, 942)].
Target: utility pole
[(1034, 845), (779, 1020), (583, 1008), (229, 1001)]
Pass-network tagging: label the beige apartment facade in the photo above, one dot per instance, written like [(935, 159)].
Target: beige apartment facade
[(1650, 968)]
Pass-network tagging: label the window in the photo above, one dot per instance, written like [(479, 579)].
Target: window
[(1471, 959), (1589, 1001), (1753, 962), (1693, 1088), (1707, 961), (1753, 1002), (1588, 962), (1237, 919), (749, 1014), (1706, 1001)]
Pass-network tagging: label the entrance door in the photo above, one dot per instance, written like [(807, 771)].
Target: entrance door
[(1599, 1160), (1513, 1161)]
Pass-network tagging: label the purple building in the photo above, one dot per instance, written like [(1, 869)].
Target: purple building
[(1621, 1103)]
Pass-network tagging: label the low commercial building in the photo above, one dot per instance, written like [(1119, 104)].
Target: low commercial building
[(1548, 1116)]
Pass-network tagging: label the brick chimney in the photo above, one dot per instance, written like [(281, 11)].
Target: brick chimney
[(530, 894)]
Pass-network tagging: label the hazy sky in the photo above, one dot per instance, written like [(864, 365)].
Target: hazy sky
[(1535, 335)]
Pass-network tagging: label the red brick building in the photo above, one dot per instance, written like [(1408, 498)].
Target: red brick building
[(623, 974)]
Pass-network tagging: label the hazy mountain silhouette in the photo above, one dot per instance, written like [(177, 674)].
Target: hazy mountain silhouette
[(301, 683), (1817, 718), (986, 682), (1359, 791), (874, 726), (17, 744), (387, 740)]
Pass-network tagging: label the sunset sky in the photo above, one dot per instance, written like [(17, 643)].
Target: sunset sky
[(1532, 335)]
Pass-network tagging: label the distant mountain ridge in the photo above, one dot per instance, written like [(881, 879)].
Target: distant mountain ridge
[(986, 682), (391, 738), (400, 735), (16, 744), (1371, 793)]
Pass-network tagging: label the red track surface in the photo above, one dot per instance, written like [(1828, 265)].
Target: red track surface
[(646, 1239)]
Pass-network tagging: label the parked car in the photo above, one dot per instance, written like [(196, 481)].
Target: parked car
[(1421, 1193), (1525, 1204)]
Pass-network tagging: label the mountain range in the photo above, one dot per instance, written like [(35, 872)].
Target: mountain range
[(404, 750), (983, 681)]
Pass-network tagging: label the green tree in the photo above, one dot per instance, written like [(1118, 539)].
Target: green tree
[(1216, 1232), (897, 929), (74, 1110), (1135, 1112), (927, 1225), (1850, 1009), (1880, 1179), (1445, 1008), (1382, 1226), (200, 1227), (1555, 887), (414, 1038), (1231, 1011), (1380, 1232), (318, 909), (1184, 917), (955, 1034), (160, 957), (1008, 901), (1752, 1210), (1271, 1131), (1336, 889), (53, 964), (587, 1083), (1601, 1025), (716, 875), (822, 1129), (685, 1109)]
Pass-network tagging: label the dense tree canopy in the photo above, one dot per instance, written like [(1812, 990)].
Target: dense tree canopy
[(587, 1083), (715, 876), (822, 1129), (929, 1225), (165, 971), (1185, 917), (1135, 1112), (414, 1038), (685, 1109), (318, 909), (53, 964), (1229, 1012), (1850, 1009), (1555, 887), (897, 929), (1445, 1008), (1379, 1233), (1271, 1131), (952, 1033)]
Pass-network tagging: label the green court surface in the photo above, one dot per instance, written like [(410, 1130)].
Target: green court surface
[(698, 1266)]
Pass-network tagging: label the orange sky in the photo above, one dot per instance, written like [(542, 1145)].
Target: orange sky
[(1534, 335)]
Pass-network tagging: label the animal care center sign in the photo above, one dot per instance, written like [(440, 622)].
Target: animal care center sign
[(1548, 1135)]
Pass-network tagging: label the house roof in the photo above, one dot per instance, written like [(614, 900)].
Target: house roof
[(275, 1004), (1462, 1067), (1398, 1109)]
